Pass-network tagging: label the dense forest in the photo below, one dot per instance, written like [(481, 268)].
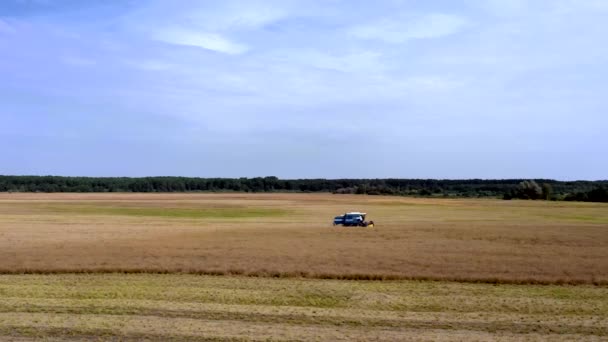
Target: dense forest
[(504, 188)]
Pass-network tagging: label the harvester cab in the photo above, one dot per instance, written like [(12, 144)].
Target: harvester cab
[(352, 219)]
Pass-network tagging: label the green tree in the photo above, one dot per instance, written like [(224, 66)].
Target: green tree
[(547, 191), (528, 190)]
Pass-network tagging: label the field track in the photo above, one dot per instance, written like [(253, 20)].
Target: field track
[(290, 235)]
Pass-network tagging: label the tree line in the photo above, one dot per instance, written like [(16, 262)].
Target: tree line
[(502, 188), (533, 191)]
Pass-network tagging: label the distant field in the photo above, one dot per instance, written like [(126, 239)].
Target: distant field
[(291, 235), (178, 307)]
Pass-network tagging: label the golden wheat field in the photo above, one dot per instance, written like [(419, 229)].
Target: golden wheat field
[(292, 235), (242, 267)]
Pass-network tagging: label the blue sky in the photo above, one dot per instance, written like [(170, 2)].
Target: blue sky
[(303, 89)]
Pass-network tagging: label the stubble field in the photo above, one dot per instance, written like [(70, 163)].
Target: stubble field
[(180, 307), (239, 267)]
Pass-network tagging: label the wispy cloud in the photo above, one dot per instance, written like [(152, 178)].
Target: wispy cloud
[(208, 25), (209, 16), (359, 61), (237, 16), (217, 75), (209, 41), (152, 65), (400, 30)]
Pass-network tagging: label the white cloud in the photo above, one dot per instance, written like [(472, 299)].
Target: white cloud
[(203, 24), (236, 16), (540, 61), (400, 30), (209, 41)]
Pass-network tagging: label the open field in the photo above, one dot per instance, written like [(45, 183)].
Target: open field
[(291, 235), (498, 250), (180, 307)]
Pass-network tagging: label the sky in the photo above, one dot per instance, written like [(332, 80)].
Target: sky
[(305, 89)]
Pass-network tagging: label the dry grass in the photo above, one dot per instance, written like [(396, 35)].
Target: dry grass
[(291, 235), (187, 307)]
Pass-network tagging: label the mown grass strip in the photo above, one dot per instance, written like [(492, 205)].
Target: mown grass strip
[(181, 213), (298, 319), (575, 218)]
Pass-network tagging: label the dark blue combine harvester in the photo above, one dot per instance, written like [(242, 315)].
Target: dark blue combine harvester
[(353, 219)]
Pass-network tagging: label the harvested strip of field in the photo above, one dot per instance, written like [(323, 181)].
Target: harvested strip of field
[(178, 307), (227, 212), (286, 235)]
